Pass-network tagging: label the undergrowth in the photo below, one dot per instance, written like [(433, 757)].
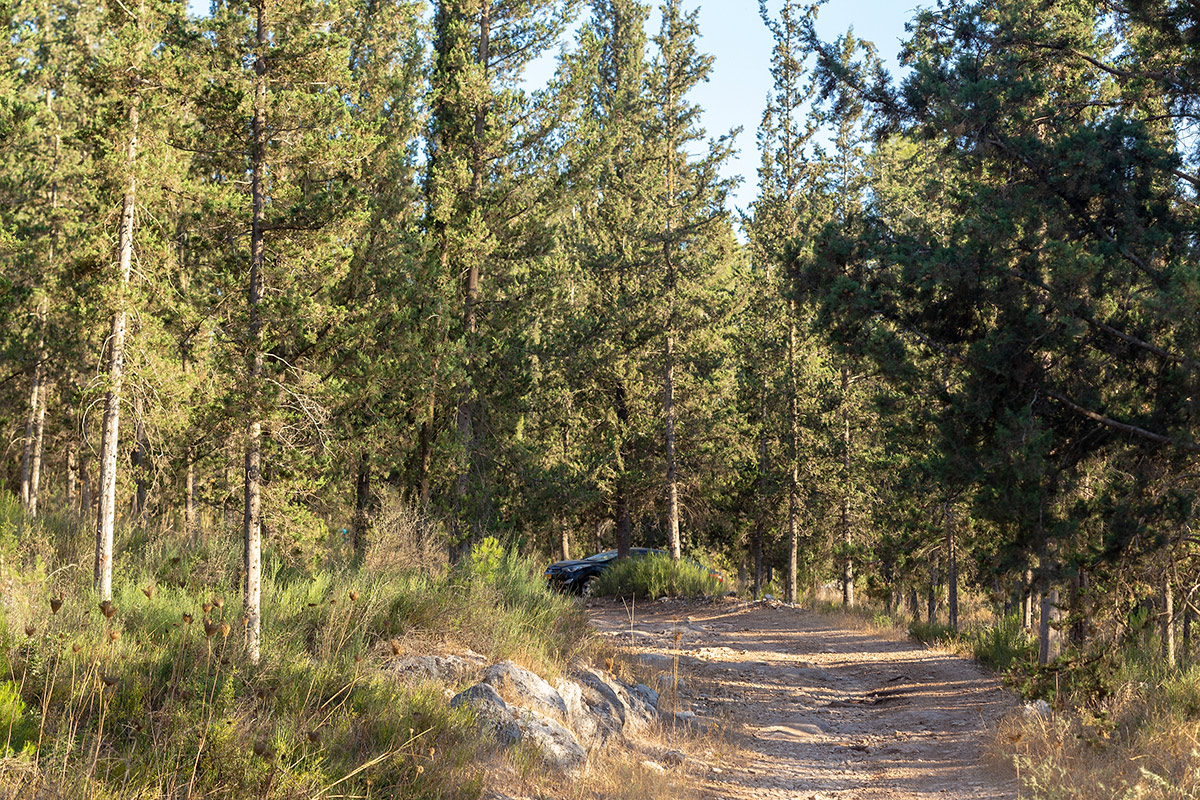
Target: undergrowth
[(656, 576), (151, 696)]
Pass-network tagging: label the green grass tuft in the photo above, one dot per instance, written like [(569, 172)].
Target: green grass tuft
[(655, 576)]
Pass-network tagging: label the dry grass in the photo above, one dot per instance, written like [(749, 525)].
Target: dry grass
[(1141, 744)]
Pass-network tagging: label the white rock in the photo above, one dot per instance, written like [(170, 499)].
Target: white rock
[(527, 689)]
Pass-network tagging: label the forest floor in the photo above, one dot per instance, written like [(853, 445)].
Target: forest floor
[(817, 710)]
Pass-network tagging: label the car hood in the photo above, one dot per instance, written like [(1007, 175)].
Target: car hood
[(570, 564)]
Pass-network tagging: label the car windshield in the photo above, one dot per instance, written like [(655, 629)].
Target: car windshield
[(607, 555)]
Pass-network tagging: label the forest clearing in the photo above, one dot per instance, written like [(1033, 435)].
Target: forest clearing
[(327, 324)]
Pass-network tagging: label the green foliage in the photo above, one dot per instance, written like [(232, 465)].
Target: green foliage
[(656, 576), (1003, 645), (160, 682), (932, 632)]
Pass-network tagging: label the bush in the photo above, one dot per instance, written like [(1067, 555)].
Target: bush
[(152, 701), (932, 632), (655, 576), (1004, 645)]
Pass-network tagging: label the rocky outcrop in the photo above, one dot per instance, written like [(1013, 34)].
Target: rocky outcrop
[(581, 712)]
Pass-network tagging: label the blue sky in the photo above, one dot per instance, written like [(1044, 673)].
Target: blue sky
[(736, 92), (737, 89)]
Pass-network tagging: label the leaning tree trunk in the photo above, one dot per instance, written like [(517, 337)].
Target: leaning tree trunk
[(252, 518), (106, 516)]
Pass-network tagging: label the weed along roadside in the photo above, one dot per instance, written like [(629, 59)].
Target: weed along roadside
[(397, 677)]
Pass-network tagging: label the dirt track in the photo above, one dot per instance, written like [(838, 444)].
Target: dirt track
[(820, 711)]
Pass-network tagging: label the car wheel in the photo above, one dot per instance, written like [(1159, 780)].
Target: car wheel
[(588, 588)]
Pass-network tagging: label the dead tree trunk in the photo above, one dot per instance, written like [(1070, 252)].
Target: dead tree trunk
[(106, 516)]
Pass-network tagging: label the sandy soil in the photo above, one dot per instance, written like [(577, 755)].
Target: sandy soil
[(819, 711)]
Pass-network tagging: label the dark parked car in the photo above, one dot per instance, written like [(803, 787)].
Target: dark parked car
[(576, 576)]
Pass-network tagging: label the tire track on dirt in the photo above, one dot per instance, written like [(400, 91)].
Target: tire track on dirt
[(822, 712)]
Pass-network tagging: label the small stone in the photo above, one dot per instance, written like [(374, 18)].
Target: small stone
[(654, 767)]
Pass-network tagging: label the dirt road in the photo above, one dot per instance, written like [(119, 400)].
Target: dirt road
[(819, 711)]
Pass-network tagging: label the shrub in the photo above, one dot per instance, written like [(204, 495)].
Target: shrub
[(1003, 645), (655, 576), (932, 632)]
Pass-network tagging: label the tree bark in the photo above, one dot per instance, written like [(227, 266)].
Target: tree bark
[(252, 518), (760, 521), (191, 522), (1168, 622), (360, 528), (1027, 601), (564, 539), (39, 449), (36, 406), (139, 460), (793, 457), (72, 474), (673, 538), (621, 513), (107, 512), (951, 567), (931, 601), (847, 538), (1049, 637)]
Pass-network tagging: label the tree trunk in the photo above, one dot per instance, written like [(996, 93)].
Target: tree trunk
[(1049, 637), (72, 474), (931, 604), (466, 412), (85, 484), (191, 522), (39, 451), (672, 478), (1188, 618), (847, 538), (139, 460), (793, 457), (951, 567), (1027, 601), (36, 409), (621, 501), (564, 539), (360, 528), (106, 516), (760, 521), (1079, 625), (914, 604), (1168, 622), (252, 519)]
